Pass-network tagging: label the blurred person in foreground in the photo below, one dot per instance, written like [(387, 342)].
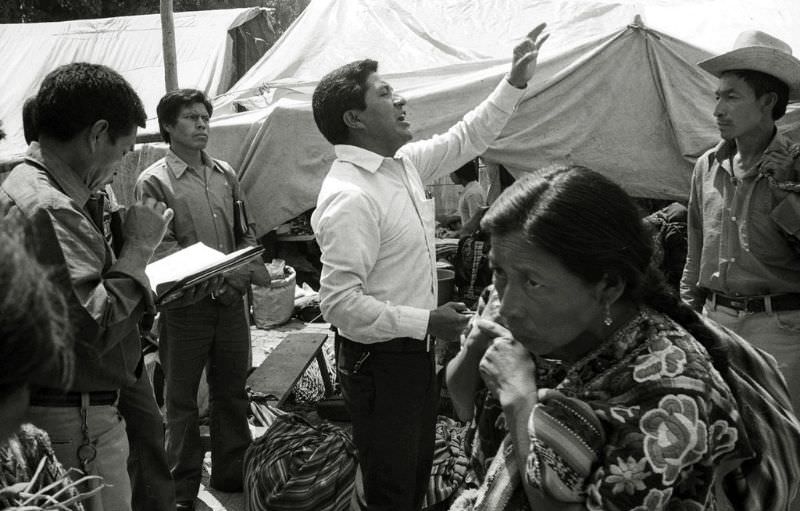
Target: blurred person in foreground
[(591, 386), (86, 117), (375, 229), (34, 338)]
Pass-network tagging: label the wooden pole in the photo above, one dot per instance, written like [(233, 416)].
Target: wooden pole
[(168, 44)]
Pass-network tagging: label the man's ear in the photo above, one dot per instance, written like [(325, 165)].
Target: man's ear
[(167, 127), (351, 119), (97, 130), (768, 101)]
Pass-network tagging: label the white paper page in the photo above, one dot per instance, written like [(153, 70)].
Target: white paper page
[(187, 261)]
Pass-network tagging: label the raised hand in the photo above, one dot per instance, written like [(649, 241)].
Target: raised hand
[(146, 222), (523, 62)]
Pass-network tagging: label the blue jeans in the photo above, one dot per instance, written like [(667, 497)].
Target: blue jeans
[(151, 481), (107, 432), (217, 337)]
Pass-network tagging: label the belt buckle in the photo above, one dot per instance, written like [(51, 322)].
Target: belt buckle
[(739, 304)]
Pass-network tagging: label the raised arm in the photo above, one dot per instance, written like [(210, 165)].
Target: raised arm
[(471, 136)]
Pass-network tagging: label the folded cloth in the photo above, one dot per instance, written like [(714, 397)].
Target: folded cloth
[(296, 466)]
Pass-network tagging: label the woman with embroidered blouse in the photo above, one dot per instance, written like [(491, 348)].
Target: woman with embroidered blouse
[(603, 390)]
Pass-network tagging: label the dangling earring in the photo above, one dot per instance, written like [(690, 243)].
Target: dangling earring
[(607, 321)]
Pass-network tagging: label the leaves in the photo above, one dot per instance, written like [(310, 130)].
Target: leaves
[(35, 11)]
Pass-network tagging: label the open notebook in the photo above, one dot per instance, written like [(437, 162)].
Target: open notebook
[(173, 274)]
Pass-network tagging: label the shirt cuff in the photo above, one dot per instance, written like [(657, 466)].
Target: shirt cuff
[(506, 97), (123, 267), (414, 322)]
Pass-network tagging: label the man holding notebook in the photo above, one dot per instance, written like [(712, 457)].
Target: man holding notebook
[(87, 120), (212, 332)]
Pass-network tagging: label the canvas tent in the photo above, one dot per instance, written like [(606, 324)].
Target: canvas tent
[(617, 86), (214, 49)]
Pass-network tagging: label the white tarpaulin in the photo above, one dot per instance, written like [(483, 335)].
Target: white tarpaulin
[(132, 46), (620, 95)]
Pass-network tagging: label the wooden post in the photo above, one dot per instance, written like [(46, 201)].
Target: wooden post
[(168, 44)]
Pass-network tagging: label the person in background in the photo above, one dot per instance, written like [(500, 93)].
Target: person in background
[(670, 241), (375, 230), (743, 261), (499, 179), (87, 116), (213, 331), (152, 488), (471, 199), (588, 360)]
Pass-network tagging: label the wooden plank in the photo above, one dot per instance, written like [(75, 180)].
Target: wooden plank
[(285, 365)]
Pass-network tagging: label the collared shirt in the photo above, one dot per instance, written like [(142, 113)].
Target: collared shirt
[(201, 199), (470, 200), (375, 227), (741, 229), (106, 296)]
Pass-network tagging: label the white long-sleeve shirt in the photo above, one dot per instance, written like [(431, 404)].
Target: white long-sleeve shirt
[(375, 227)]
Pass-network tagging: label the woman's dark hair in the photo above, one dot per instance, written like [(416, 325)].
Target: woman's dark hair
[(74, 96), (341, 90), (169, 107), (33, 316), (763, 83), (595, 230)]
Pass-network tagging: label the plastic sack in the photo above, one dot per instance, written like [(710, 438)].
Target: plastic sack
[(274, 305)]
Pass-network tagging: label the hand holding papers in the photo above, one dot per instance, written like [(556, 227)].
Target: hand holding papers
[(173, 275)]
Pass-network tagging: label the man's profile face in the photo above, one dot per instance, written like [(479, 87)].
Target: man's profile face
[(384, 117), (190, 131), (738, 111)]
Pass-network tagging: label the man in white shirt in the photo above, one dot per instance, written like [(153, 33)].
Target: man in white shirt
[(471, 200), (375, 229)]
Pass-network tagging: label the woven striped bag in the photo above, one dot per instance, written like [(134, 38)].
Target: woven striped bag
[(295, 466)]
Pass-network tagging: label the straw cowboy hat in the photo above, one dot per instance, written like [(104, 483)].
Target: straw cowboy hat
[(759, 51)]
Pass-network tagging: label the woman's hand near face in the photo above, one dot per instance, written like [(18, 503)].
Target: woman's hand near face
[(463, 378), (509, 372), (482, 333)]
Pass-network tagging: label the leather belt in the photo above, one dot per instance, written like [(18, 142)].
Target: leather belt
[(59, 398), (783, 302), (397, 345)]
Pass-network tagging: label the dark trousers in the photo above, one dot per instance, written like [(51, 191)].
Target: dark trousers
[(392, 396), (206, 334), (151, 482)]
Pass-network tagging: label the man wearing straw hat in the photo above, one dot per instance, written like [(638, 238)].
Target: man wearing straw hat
[(743, 264)]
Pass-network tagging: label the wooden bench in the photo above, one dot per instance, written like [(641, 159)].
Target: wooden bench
[(285, 365)]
